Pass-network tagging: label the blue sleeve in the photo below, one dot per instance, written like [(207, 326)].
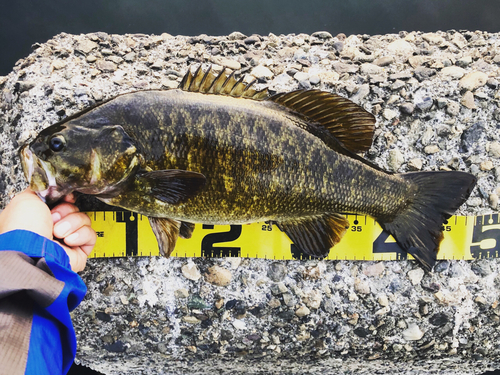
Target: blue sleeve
[(52, 341)]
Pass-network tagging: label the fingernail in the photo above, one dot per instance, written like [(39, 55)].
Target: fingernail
[(71, 238), (61, 228), (56, 216)]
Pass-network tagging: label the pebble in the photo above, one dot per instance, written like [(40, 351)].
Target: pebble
[(486, 165), (313, 299), (416, 276), (383, 300), (340, 67), (452, 72), (322, 35), (494, 149), (452, 108), (277, 271), (361, 93), (302, 311), (468, 100), (395, 159), (329, 78), (181, 293), (314, 80), (236, 35), (433, 38), (301, 76), (459, 40), (412, 333), (85, 46), (425, 103), (374, 270), (261, 71), (252, 39), (383, 61), (191, 320), (23, 86), (218, 276), (368, 68), (493, 200), (239, 324), (226, 62), (422, 73), (415, 164), (400, 47), (389, 114), (465, 61), (106, 66), (190, 271), (361, 287), (472, 81), (431, 149), (274, 303), (407, 108)]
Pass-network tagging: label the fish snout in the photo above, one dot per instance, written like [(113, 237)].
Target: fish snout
[(40, 176)]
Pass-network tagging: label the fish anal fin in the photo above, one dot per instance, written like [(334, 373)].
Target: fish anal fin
[(222, 83), (349, 123), (315, 236), (186, 229), (166, 232), (172, 186)]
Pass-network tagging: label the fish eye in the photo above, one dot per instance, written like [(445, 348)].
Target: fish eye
[(57, 143)]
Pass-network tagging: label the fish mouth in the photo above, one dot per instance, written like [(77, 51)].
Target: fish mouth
[(40, 175)]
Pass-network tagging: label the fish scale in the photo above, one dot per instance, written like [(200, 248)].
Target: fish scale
[(216, 151), (216, 155)]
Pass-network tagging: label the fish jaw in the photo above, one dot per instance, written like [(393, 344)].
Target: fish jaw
[(40, 176)]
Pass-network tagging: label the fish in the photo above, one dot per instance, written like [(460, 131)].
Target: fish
[(218, 151)]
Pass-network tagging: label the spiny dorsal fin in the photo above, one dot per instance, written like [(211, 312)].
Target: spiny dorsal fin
[(346, 121), (223, 83)]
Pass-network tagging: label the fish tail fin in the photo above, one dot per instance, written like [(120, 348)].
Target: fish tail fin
[(418, 228)]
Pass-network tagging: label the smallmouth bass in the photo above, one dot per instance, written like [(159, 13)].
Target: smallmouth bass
[(216, 151)]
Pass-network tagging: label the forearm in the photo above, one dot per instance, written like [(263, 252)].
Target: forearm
[(37, 292)]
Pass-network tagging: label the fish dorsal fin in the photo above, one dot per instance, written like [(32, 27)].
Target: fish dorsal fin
[(223, 83), (346, 121)]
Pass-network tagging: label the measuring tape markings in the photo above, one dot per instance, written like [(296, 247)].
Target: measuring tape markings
[(125, 233)]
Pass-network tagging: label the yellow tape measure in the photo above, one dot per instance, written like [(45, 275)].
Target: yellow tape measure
[(124, 233)]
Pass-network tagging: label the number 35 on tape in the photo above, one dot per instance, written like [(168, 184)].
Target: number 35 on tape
[(122, 234)]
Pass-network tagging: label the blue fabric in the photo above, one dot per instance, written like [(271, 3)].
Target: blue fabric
[(52, 346)]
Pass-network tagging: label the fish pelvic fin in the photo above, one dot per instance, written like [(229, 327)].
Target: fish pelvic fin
[(221, 83), (315, 236), (166, 232), (418, 227)]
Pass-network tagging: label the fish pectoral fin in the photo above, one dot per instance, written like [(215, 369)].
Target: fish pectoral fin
[(172, 186), (316, 235), (166, 232), (186, 230)]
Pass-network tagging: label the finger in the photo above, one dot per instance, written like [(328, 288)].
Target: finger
[(83, 237), (77, 258), (70, 198), (62, 210), (70, 224)]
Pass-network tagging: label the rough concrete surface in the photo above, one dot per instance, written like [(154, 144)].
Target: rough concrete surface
[(436, 98)]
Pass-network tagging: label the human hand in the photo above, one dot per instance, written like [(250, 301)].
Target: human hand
[(64, 223)]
